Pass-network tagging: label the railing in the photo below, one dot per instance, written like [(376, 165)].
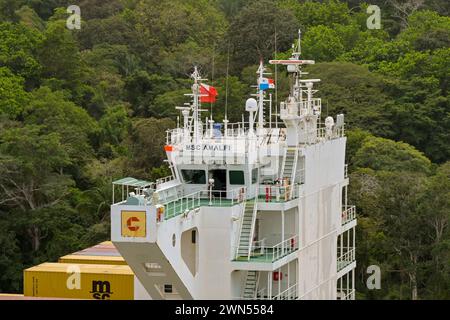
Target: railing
[(288, 294), (302, 108), (261, 244), (176, 207), (276, 193), (346, 171), (232, 130), (346, 294), (220, 198), (216, 198), (164, 180), (323, 132), (348, 214), (346, 258), (285, 247), (263, 253)]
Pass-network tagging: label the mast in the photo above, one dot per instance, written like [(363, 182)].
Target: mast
[(260, 96), (195, 93)]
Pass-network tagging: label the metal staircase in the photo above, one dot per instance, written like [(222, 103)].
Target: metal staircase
[(289, 168), (251, 285), (247, 229)]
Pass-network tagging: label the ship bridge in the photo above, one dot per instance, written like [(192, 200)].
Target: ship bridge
[(252, 210)]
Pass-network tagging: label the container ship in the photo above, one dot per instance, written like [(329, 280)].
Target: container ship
[(252, 210)]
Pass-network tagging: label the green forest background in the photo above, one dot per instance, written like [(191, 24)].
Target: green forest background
[(79, 108)]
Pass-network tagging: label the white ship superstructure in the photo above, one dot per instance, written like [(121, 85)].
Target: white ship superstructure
[(252, 210)]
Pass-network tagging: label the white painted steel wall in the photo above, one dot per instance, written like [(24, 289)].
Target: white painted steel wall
[(319, 219)]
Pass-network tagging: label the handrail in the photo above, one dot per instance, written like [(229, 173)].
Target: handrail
[(346, 258), (288, 294), (262, 244), (294, 172), (164, 179), (257, 284), (289, 245), (241, 222), (187, 202), (278, 193), (194, 200), (348, 214), (277, 251), (252, 226), (348, 294)]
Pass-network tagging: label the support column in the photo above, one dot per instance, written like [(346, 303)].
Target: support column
[(279, 280), (353, 283), (282, 232), (347, 276), (348, 243)]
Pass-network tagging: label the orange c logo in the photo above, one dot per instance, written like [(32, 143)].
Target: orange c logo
[(130, 222), (133, 224)]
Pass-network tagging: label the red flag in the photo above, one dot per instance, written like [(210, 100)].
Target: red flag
[(209, 93)]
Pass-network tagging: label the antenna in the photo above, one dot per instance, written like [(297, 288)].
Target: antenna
[(260, 96), (212, 77), (276, 81), (195, 92), (226, 82)]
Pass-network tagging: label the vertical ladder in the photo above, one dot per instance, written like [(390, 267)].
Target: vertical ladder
[(247, 229), (251, 285)]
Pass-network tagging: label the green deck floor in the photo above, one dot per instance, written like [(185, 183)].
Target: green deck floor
[(267, 256), (176, 208)]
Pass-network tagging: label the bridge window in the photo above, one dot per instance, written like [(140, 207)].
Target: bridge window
[(194, 176), (236, 177)]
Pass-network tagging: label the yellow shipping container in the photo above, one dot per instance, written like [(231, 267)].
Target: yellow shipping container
[(106, 243), (62, 280), (110, 260)]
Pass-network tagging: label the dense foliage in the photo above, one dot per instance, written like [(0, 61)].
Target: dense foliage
[(79, 108)]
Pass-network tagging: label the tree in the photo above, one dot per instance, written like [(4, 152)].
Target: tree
[(314, 13), (238, 92), (404, 224), (13, 97), (387, 155), (164, 104), (142, 88), (54, 113), (31, 174), (10, 259), (147, 139), (99, 9), (355, 140), (434, 205), (8, 10), (18, 51), (355, 91), (403, 9), (322, 43), (114, 126), (114, 30), (28, 17), (166, 24), (58, 53), (247, 46)]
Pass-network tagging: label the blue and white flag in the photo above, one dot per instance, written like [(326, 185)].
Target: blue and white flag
[(266, 83)]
